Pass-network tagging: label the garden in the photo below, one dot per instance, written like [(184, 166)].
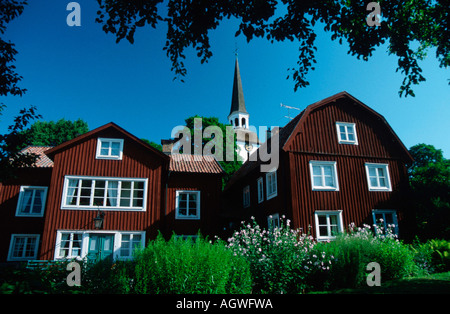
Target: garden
[(253, 260)]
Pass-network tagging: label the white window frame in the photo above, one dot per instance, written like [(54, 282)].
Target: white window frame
[(385, 212), (333, 164), (260, 184), (177, 208), (327, 214), (347, 126), (101, 140), (28, 237), (271, 189), (246, 196), (273, 221), (59, 236), (91, 205), (385, 167), (19, 208), (85, 242)]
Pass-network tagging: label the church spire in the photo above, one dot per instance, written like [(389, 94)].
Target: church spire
[(237, 99)]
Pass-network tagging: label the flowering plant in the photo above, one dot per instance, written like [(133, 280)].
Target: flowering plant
[(280, 259)]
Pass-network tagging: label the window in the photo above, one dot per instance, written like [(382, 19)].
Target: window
[(129, 244), (273, 221), (187, 205), (386, 219), (243, 123), (246, 196), (260, 183), (346, 133), (271, 184), (70, 244), (378, 177), (328, 224), (324, 175), (31, 201), (109, 148), (82, 244), (23, 247), (105, 193)]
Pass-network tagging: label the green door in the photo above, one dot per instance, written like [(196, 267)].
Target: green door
[(101, 246)]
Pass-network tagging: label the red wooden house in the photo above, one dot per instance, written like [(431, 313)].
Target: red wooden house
[(339, 163), (111, 177)]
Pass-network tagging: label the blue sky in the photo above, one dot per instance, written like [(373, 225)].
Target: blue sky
[(80, 72)]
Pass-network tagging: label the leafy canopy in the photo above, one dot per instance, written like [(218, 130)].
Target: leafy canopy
[(410, 28)]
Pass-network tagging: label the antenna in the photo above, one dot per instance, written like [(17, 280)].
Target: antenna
[(289, 108)]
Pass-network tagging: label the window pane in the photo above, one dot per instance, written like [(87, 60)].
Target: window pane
[(333, 220), (317, 181), (322, 220), (323, 231), (373, 182), (38, 199), (317, 170), (329, 181), (327, 170), (372, 172)]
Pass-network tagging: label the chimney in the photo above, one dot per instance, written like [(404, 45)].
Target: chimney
[(167, 146)]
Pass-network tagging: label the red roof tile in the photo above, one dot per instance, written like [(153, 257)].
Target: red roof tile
[(42, 161), (194, 163)]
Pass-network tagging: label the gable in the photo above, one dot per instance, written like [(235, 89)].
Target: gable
[(316, 131), (108, 131)]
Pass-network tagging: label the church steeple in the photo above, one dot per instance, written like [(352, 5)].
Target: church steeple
[(237, 100), (238, 116)]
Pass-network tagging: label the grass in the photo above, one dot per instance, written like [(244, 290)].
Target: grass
[(433, 284)]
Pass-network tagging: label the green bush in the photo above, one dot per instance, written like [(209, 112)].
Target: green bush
[(190, 266), (280, 259), (353, 250)]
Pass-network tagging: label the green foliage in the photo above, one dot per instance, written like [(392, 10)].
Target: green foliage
[(153, 144), (403, 24), (43, 133), (430, 192), (190, 266), (229, 166), (280, 259), (353, 250)]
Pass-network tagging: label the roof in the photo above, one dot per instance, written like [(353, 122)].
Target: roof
[(54, 150), (194, 164), (42, 160), (237, 98), (287, 133)]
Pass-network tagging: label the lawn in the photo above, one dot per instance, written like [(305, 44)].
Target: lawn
[(433, 284)]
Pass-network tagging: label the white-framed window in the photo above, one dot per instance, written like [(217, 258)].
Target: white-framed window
[(130, 242), (328, 224), (323, 175), (386, 218), (70, 244), (273, 221), (109, 148), (31, 201), (378, 177), (246, 196), (77, 244), (271, 184), (23, 247), (346, 133), (187, 205), (260, 183), (104, 193)]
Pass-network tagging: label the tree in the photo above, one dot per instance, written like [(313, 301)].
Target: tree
[(188, 22), (153, 144), (430, 186), (229, 166), (43, 133), (12, 142)]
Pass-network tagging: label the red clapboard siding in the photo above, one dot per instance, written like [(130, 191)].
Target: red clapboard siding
[(79, 159)]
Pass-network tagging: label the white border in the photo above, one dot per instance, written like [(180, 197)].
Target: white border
[(99, 146), (19, 202), (320, 163), (187, 217)]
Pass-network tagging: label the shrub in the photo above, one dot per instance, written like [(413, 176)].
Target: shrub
[(354, 249), (280, 259), (190, 266)]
